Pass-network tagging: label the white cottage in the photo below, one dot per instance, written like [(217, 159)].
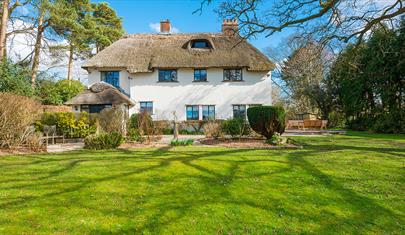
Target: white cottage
[(198, 76)]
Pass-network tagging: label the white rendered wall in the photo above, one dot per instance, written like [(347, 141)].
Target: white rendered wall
[(174, 96)]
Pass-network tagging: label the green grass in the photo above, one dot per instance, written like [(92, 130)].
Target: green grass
[(339, 184)]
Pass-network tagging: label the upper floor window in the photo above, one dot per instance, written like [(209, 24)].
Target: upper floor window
[(201, 44), (111, 77), (193, 112), (146, 106), (239, 111), (167, 75), (208, 112), (200, 75), (233, 75)]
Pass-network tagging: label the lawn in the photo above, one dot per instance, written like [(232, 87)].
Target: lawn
[(339, 184)]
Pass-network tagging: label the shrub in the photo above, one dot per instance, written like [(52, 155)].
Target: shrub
[(68, 89), (267, 120), (190, 132), (17, 114), (213, 129), (276, 139), (146, 126), (336, 120), (389, 123), (134, 135), (112, 120), (236, 127), (53, 92), (197, 126), (145, 123), (15, 79), (34, 142), (159, 126), (69, 124), (133, 121), (361, 123), (178, 142), (167, 131), (104, 141), (49, 93)]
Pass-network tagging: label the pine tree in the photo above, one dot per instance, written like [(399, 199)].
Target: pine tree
[(108, 25), (72, 20)]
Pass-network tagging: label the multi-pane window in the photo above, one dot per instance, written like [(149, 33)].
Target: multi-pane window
[(167, 75), (239, 111), (208, 112), (200, 75), (111, 77), (193, 112), (94, 108), (146, 106), (232, 75), (200, 44)]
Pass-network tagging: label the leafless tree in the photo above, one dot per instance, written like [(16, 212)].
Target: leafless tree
[(324, 20)]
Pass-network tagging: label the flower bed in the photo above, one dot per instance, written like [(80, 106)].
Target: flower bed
[(245, 143)]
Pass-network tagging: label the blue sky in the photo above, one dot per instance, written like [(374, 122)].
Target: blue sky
[(139, 14)]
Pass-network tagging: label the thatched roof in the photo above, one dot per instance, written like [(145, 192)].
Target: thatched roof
[(143, 52), (100, 93)]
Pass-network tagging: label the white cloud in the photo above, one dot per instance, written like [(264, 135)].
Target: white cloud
[(155, 27)]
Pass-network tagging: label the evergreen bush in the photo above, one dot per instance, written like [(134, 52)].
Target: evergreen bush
[(267, 120)]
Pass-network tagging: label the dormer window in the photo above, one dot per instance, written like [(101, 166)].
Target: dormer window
[(201, 44)]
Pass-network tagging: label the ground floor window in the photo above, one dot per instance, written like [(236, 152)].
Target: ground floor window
[(239, 111), (146, 106), (94, 108), (208, 112), (193, 112)]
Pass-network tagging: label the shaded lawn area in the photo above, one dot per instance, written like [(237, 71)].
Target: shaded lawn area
[(339, 184)]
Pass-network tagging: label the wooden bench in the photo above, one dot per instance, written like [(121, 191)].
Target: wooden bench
[(318, 124), (295, 123), (51, 134), (302, 124)]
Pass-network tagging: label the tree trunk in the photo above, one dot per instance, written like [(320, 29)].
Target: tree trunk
[(37, 47), (70, 65), (3, 29)]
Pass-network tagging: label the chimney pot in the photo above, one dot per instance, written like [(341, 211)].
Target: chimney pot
[(165, 26), (230, 27)]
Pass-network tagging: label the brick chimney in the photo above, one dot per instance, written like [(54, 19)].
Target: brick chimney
[(165, 26), (230, 27)]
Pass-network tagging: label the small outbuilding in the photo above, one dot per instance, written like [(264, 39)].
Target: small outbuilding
[(99, 96)]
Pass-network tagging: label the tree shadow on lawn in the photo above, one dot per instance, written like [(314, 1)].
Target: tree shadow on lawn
[(326, 146), (210, 181), (215, 183), (78, 158), (366, 211)]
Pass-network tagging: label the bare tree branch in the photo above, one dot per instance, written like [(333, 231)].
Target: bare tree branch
[(324, 20)]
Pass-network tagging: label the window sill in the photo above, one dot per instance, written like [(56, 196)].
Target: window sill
[(200, 81), (233, 81)]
